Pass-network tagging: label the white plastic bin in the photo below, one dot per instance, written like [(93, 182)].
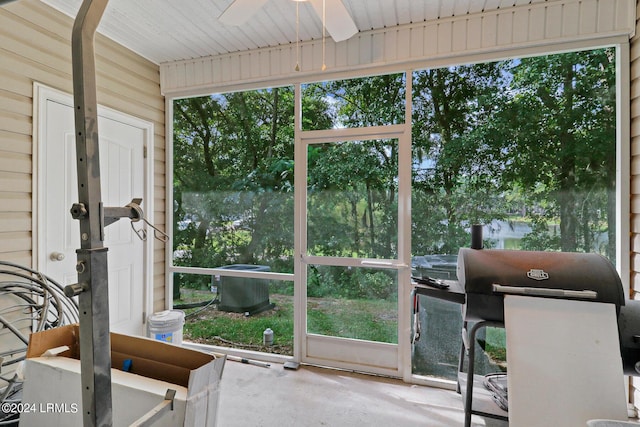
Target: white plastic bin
[(166, 326)]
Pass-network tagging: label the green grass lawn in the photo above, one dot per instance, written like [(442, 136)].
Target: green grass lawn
[(363, 319), (373, 320), (211, 326), (495, 346)]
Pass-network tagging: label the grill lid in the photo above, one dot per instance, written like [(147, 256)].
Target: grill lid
[(541, 272)]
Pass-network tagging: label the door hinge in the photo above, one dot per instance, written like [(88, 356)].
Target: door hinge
[(144, 152)]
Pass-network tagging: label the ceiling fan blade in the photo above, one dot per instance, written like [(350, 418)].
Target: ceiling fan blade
[(240, 11), (339, 23)]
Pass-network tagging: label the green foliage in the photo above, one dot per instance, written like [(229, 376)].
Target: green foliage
[(542, 237), (233, 179), (352, 204), (360, 283), (528, 140), (562, 138), (190, 281), (456, 155), (531, 137), (374, 320), (359, 102), (535, 135)]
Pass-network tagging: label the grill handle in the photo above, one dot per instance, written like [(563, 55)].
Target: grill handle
[(544, 292)]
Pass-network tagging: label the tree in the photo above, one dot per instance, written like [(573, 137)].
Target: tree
[(456, 155), (233, 178), (531, 137), (563, 140), (364, 172)]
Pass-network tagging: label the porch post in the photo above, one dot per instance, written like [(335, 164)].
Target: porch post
[(92, 288)]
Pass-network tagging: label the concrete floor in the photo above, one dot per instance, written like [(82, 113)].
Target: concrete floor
[(252, 396)]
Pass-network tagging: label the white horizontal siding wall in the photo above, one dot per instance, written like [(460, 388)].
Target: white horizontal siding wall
[(35, 46), (523, 27)]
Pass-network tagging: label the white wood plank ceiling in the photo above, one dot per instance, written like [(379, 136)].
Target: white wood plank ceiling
[(169, 30)]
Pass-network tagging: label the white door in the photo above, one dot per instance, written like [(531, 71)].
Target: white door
[(122, 179)]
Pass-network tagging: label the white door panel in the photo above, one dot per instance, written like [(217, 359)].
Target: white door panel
[(122, 179)]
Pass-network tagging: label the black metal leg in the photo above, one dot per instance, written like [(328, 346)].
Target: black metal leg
[(470, 372), (471, 347), (461, 358)]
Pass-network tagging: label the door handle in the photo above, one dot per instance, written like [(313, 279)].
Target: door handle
[(56, 256)]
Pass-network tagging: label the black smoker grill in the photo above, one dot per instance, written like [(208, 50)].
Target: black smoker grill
[(486, 276)]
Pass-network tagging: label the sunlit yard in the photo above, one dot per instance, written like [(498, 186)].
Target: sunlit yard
[(363, 319)]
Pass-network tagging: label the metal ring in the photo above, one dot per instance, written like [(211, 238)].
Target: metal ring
[(138, 210)]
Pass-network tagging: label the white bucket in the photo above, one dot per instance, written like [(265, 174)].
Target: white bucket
[(166, 326)]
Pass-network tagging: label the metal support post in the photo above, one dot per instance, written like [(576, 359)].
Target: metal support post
[(92, 288), (95, 345)]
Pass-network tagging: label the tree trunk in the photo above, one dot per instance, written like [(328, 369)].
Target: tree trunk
[(611, 214), (567, 167), (372, 232), (356, 228), (586, 226)]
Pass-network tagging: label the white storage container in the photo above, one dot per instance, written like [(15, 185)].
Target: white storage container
[(166, 326)]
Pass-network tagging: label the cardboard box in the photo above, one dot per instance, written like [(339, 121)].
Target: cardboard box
[(52, 393)]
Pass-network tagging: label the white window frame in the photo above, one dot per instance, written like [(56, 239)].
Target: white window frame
[(621, 44)]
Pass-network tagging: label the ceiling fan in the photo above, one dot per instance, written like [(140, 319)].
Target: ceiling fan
[(338, 22)]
